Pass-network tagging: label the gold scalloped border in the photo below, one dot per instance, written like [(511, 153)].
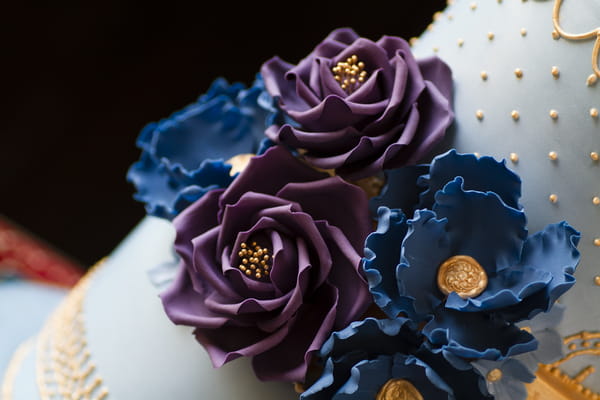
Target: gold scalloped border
[(64, 369)]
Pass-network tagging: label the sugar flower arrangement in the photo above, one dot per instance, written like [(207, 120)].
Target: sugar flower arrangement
[(430, 288)]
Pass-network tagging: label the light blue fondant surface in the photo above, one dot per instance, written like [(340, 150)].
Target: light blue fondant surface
[(138, 352), (573, 177), (24, 307)]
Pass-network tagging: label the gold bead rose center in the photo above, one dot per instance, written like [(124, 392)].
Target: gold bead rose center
[(255, 261), (398, 389), (350, 74), (462, 275)]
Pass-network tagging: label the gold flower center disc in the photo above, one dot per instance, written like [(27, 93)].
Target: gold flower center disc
[(239, 162), (398, 389), (463, 275)]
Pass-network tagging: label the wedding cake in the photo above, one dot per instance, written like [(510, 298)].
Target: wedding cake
[(385, 219)]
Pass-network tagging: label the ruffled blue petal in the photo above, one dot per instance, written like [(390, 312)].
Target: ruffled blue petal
[(483, 174), (367, 354), (425, 247), (184, 156), (400, 190), (552, 250), (166, 191), (373, 337), (477, 335), (454, 369), (550, 342), (480, 225), (511, 385), (382, 255)]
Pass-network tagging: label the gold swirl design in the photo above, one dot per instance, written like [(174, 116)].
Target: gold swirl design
[(398, 389), (463, 275), (64, 369), (594, 33), (553, 383)]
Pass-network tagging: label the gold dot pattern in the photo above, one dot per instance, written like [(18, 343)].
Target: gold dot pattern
[(556, 113)]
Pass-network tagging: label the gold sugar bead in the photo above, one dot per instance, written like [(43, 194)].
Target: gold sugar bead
[(518, 73), (494, 375), (591, 80)]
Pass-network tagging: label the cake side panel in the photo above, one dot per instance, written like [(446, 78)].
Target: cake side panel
[(524, 96)]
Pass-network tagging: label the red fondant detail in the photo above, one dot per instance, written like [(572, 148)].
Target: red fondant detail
[(29, 257)]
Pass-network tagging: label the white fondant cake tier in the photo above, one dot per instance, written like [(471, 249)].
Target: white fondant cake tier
[(504, 58)]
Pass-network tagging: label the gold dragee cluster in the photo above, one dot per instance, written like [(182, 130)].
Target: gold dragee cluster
[(350, 74), (254, 260)]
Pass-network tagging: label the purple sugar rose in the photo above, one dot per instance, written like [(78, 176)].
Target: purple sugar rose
[(359, 106), (271, 265)]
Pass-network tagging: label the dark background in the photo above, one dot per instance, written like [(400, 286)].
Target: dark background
[(79, 81)]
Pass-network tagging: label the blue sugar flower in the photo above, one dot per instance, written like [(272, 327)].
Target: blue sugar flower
[(414, 187), (185, 155), (371, 357), (465, 265)]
